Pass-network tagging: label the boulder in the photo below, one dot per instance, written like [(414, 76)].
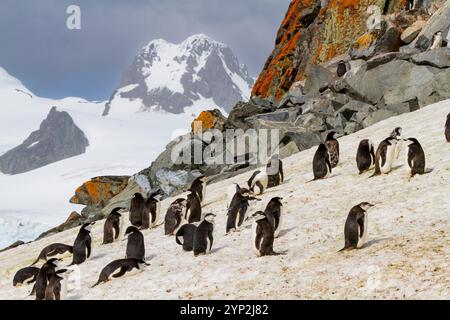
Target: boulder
[(58, 138), (99, 190), (377, 116), (242, 111), (439, 21), (439, 58), (74, 220), (410, 33), (209, 119)]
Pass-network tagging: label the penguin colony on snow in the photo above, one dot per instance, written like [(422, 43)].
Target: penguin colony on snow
[(193, 229)]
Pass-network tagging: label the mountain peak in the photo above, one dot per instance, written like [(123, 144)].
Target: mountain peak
[(170, 77)]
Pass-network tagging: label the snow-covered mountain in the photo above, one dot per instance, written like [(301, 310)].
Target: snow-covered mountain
[(120, 144), (171, 77)]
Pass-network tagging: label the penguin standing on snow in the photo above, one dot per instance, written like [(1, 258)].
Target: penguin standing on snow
[(238, 208), (57, 285), (415, 157), (193, 208), (333, 148), (203, 236), (112, 226), (274, 171), (53, 250), (385, 155), (174, 216), (273, 211), (185, 236), (152, 211), (135, 244), (263, 235), (356, 225), (136, 209), (82, 245), (26, 275), (45, 273), (365, 156), (321, 163), (199, 187), (447, 128), (125, 265)]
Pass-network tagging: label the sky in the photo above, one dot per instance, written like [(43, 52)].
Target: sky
[(52, 61)]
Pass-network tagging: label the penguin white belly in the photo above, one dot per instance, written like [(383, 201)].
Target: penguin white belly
[(121, 224), (158, 211), (390, 155), (208, 245), (203, 192), (398, 149), (255, 245), (362, 239), (263, 179), (63, 293)]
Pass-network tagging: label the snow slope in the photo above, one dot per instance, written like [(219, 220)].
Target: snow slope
[(121, 144), (407, 254)]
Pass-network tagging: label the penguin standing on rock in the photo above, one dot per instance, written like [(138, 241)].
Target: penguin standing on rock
[(203, 236), (53, 250), (415, 157), (125, 265), (112, 227), (263, 235), (136, 209), (365, 156), (385, 155), (447, 128), (238, 208), (135, 244), (185, 236), (174, 216), (321, 163), (82, 245), (333, 148), (356, 225), (199, 187), (152, 211)]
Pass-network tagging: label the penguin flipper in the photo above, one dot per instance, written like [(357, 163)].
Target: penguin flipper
[(119, 274)]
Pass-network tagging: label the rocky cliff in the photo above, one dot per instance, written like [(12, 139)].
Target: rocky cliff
[(58, 138)]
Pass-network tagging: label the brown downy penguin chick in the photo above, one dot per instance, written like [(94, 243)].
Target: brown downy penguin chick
[(356, 225), (135, 244), (174, 216), (136, 209), (333, 148), (45, 273), (53, 250), (125, 265), (193, 207), (82, 245), (415, 157)]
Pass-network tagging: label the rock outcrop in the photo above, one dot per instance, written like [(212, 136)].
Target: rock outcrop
[(58, 138), (99, 190)]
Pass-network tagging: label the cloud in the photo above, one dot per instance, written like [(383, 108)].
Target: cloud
[(56, 62)]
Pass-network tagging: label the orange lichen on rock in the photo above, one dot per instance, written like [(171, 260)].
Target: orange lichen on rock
[(99, 189), (330, 31), (209, 119)]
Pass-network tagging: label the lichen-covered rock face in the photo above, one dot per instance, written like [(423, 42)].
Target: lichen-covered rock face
[(209, 119), (99, 190), (314, 32)]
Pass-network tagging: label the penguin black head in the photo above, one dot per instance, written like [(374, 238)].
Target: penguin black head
[(87, 226), (116, 211), (131, 229), (259, 215), (331, 136), (322, 147), (277, 199), (138, 195), (365, 206), (397, 132), (209, 217), (156, 195), (52, 262), (410, 141)]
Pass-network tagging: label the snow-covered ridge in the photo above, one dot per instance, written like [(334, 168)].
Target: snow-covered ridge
[(406, 256), (170, 77)]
